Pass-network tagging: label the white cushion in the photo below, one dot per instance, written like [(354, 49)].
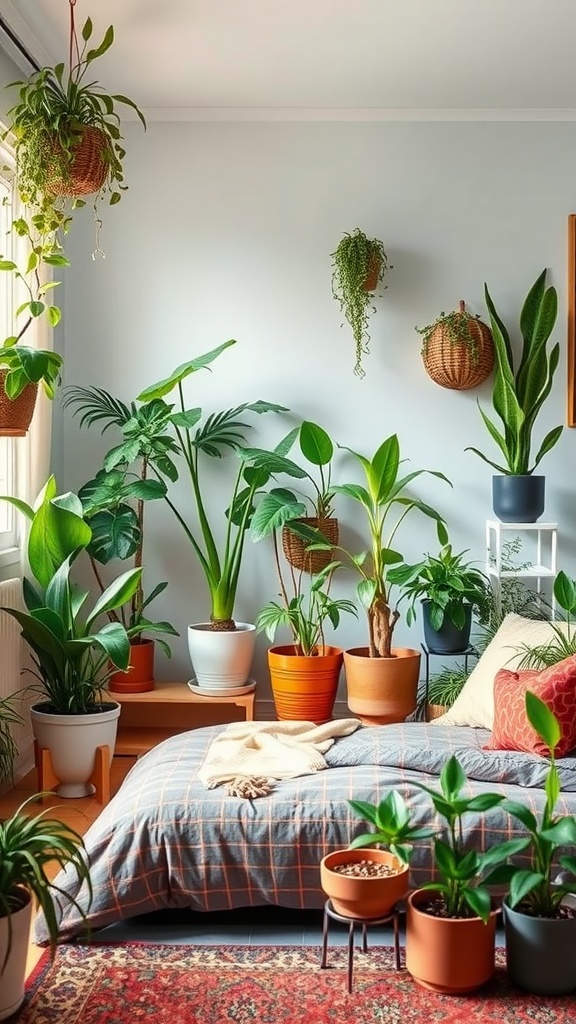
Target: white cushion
[(475, 703)]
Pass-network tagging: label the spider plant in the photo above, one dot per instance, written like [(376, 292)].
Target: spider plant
[(563, 641)]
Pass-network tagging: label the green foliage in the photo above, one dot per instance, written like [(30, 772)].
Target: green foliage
[(384, 502), (465, 874), (8, 750), (53, 105), (461, 871), (446, 685), (448, 582), (352, 261), (170, 437), (457, 329), (518, 394), (391, 821), (563, 641), (534, 888), (114, 500), (71, 654), (29, 845), (45, 126), (306, 611)]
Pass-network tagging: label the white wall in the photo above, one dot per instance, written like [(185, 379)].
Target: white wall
[(226, 231)]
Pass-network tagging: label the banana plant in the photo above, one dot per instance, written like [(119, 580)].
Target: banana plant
[(519, 394)]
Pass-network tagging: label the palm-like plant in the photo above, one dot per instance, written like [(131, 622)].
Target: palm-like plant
[(167, 436)]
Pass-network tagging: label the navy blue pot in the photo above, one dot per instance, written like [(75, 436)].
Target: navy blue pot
[(448, 639), (518, 499)]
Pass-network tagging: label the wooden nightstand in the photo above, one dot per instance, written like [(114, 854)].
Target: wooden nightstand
[(168, 709)]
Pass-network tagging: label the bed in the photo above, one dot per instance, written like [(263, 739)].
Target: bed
[(165, 841)]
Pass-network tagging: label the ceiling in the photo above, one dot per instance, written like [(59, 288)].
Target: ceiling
[(367, 59)]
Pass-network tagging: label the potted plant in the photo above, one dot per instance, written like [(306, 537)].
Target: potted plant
[(73, 656), (457, 349), (443, 689), (382, 681), (300, 512), (8, 750), (359, 263), (114, 505), (29, 844), (24, 368), (172, 436), (65, 130), (451, 921), (540, 924), (518, 394), (363, 882), (563, 640), (451, 589), (304, 674)]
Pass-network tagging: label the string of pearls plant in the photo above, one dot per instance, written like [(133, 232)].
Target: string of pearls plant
[(359, 265)]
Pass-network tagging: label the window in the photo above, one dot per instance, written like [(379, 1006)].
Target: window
[(8, 446)]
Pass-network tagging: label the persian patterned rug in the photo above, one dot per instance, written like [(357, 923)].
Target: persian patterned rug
[(121, 984)]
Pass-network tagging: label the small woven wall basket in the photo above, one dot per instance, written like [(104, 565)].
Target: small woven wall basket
[(295, 548), (459, 365), (16, 413), (89, 167)]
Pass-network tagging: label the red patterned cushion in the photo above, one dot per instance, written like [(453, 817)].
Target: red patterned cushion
[(555, 685)]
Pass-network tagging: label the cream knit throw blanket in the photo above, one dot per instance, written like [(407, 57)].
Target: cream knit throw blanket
[(251, 755)]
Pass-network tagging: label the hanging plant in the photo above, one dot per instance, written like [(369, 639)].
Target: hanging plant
[(65, 131), (457, 349), (359, 265)]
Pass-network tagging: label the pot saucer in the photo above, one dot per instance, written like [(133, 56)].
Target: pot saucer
[(230, 691)]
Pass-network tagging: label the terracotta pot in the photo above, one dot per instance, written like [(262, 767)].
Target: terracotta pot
[(382, 690), (140, 674), (304, 687), (449, 955), (358, 897), (16, 413), (370, 282)]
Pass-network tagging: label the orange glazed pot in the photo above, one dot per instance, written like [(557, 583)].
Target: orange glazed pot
[(140, 675), (449, 955), (358, 897), (304, 686), (382, 690)]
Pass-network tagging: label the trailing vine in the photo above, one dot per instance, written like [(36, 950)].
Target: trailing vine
[(460, 328), (355, 259)]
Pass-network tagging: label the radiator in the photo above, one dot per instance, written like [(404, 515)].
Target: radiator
[(14, 657)]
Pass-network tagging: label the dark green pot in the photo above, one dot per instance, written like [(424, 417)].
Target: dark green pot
[(540, 953)]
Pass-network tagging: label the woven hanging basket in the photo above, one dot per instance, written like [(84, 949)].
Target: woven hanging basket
[(295, 548), (88, 169), (459, 365), (16, 413)]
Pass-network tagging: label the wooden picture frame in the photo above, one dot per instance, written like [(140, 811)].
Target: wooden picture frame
[(571, 336)]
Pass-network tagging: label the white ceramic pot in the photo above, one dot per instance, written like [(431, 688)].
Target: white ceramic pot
[(221, 660), (72, 741), (12, 978)]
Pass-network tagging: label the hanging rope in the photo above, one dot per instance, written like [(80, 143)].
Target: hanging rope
[(73, 37)]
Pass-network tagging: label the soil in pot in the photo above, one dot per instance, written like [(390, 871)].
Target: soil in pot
[(363, 883)]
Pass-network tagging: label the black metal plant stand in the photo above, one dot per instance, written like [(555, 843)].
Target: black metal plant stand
[(362, 922)]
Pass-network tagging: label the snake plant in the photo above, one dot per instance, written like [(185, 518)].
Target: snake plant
[(519, 394)]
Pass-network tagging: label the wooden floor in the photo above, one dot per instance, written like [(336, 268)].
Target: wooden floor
[(78, 814)]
